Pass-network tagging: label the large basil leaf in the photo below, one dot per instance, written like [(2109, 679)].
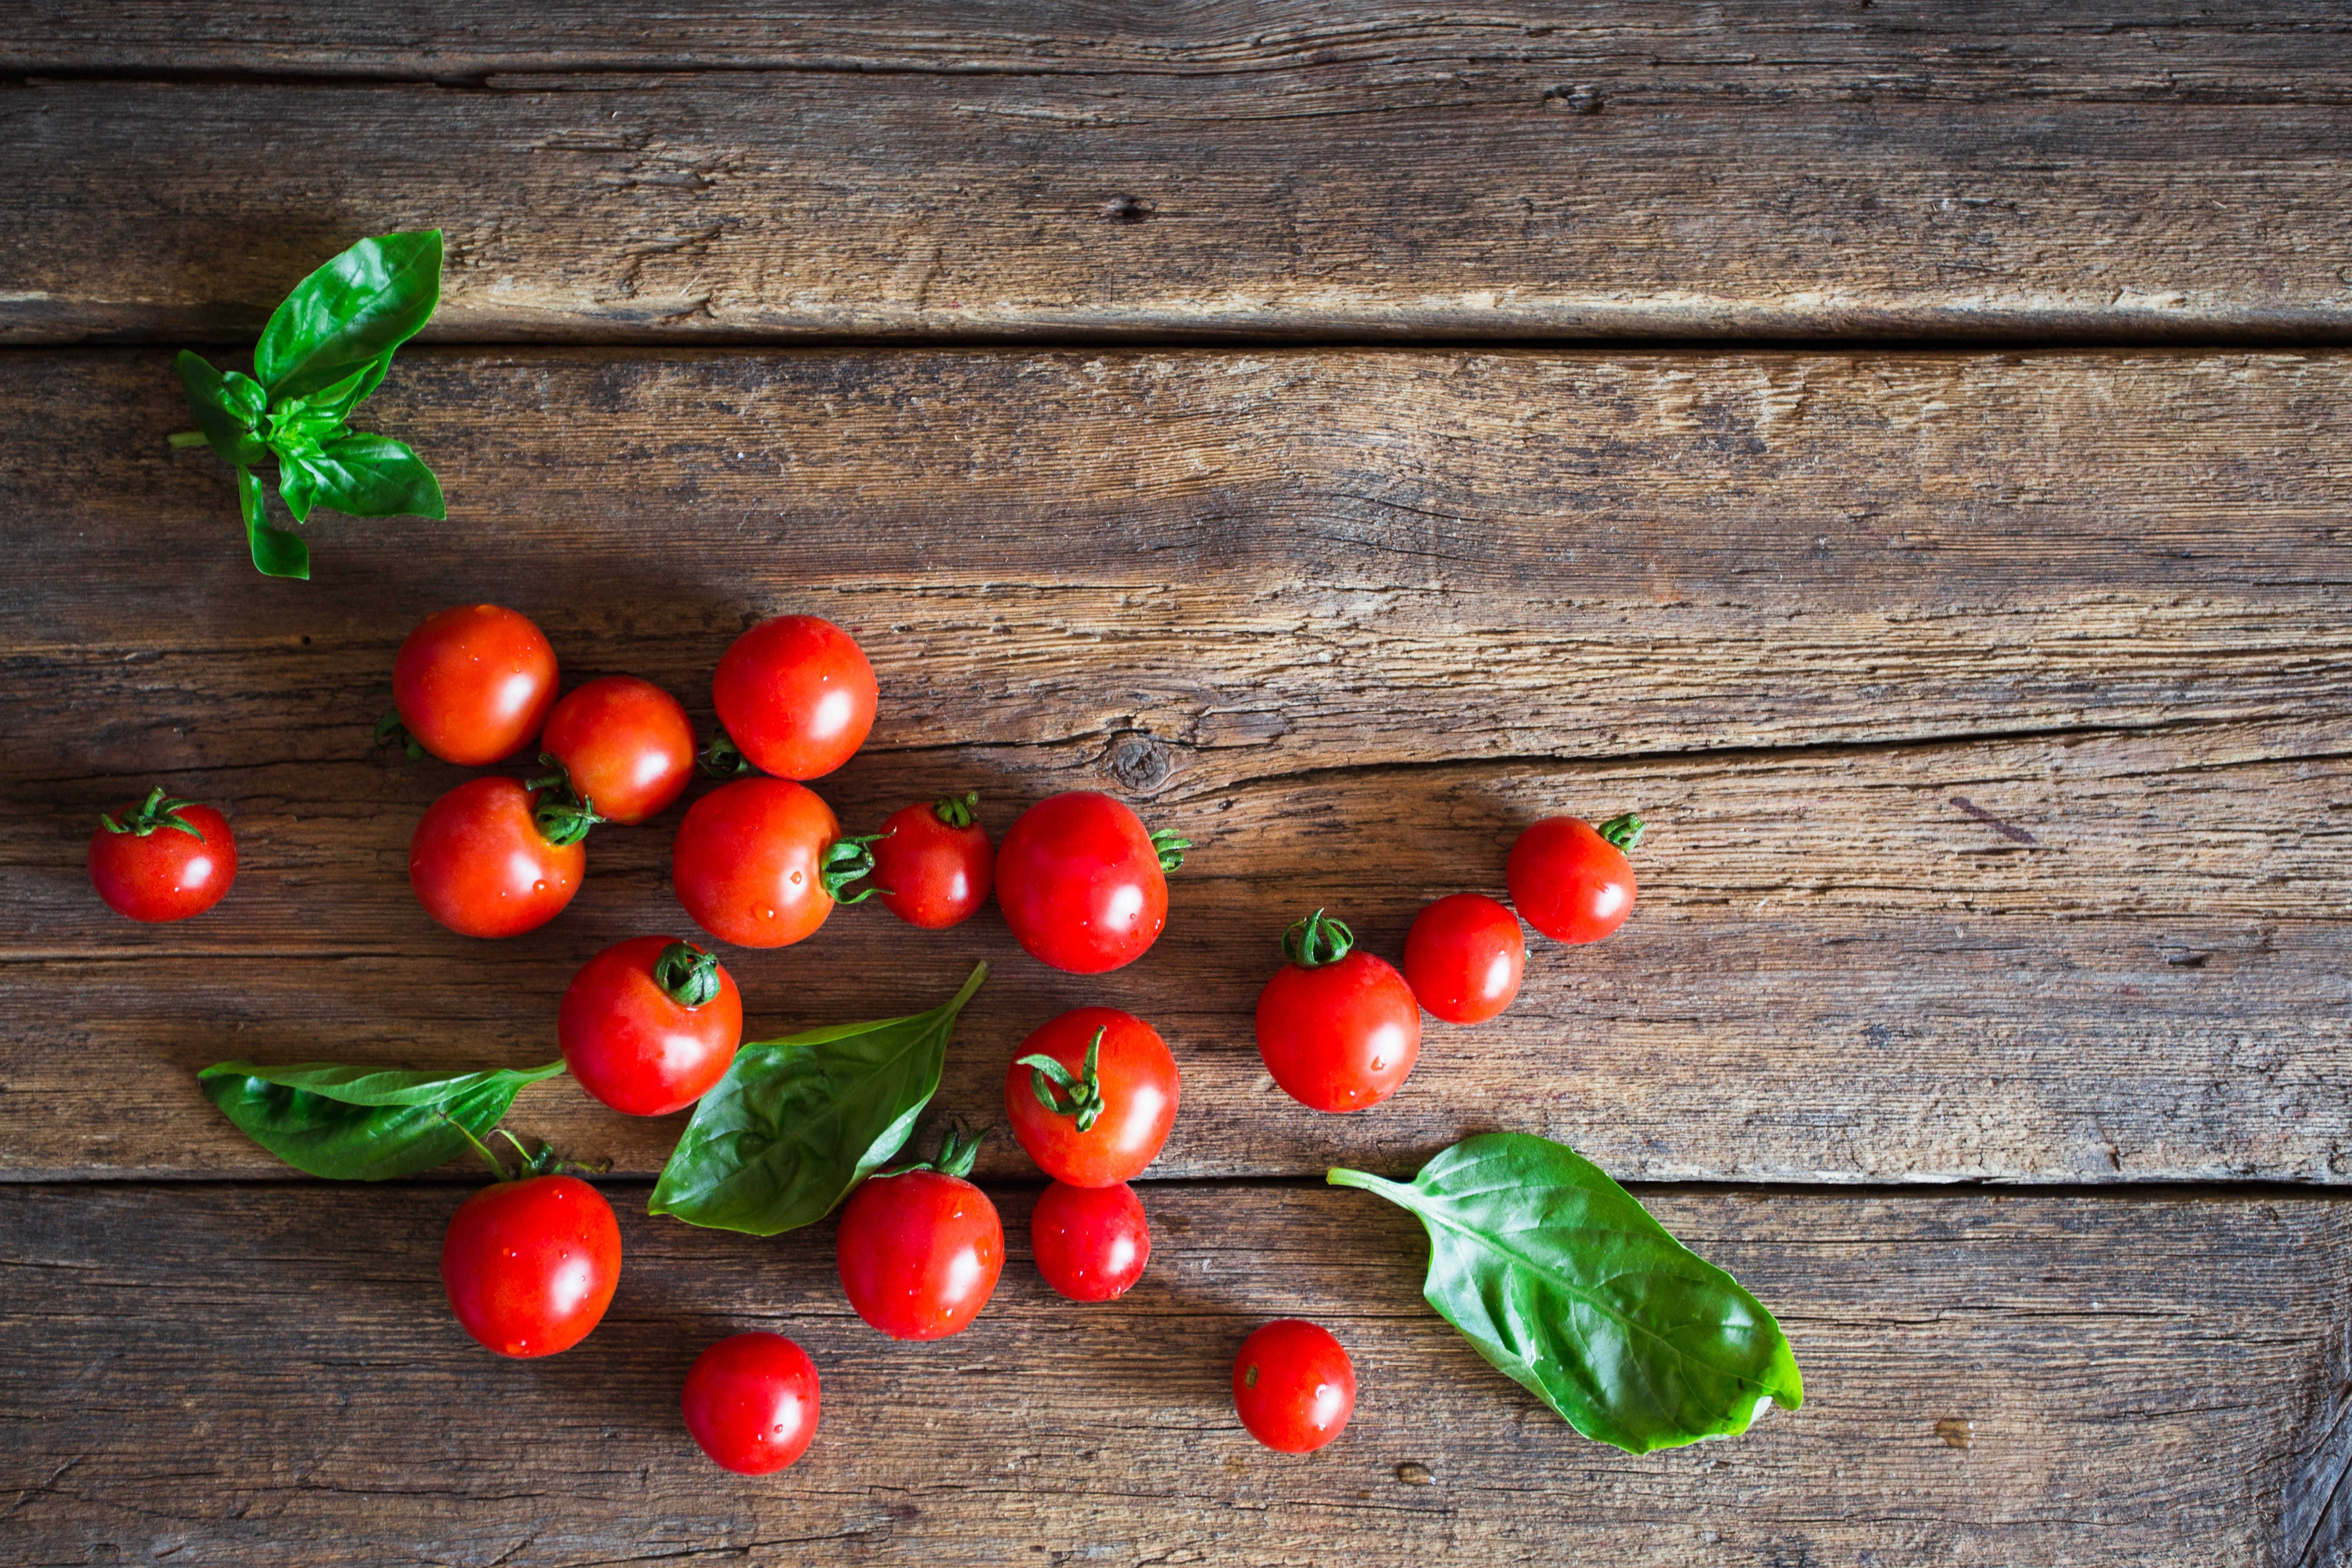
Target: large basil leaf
[(277, 551), (363, 1124), (797, 1122), (1567, 1285), (355, 309), (365, 476)]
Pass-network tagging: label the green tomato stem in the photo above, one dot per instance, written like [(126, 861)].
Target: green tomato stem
[(1317, 940), (1624, 831)]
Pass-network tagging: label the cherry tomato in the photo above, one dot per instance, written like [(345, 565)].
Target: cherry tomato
[(919, 1251), (1091, 1096), (625, 744), (1082, 885), (760, 862), (1294, 1386), (1570, 880), (531, 1265), (933, 865), (162, 860), (648, 1025), (1338, 1029), (796, 695), (474, 684), (1464, 958), (751, 1402), (1091, 1243), (483, 865)]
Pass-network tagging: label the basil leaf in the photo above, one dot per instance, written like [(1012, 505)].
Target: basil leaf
[(358, 307), (1567, 1285), (277, 551), (366, 476), (223, 414), (338, 401), (797, 1122), (363, 1124)]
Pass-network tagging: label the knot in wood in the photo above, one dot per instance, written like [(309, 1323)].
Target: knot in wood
[(1139, 763)]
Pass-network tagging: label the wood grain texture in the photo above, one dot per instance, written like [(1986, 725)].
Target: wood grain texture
[(272, 1377), (1225, 169), (1348, 620)]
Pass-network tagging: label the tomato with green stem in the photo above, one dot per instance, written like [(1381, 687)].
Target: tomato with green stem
[(1294, 1386), (530, 1262), (797, 695), (1338, 1029), (1090, 1243), (1082, 884), (473, 684), (1091, 1096), (919, 1248), (751, 1403), (1464, 958), (760, 862), (933, 865), (162, 860), (1571, 881), (625, 744), (648, 1025), (491, 859)]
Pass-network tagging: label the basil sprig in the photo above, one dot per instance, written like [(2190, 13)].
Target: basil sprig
[(363, 1125), (1567, 1285), (797, 1122), (326, 346)]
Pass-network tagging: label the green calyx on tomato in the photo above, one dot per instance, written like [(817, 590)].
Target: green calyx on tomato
[(687, 974), (1169, 847), (1624, 831), (1317, 940), (538, 1161), (958, 1151), (389, 729), (1079, 1096), (157, 811), (562, 814), (722, 759), (958, 811), (847, 860)]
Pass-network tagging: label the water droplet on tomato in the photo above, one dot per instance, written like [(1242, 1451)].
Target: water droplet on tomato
[(767, 914)]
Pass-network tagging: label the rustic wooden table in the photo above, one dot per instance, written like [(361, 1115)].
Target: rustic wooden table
[(1901, 451)]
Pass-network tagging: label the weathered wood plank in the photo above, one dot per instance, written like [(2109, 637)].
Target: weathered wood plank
[(270, 1376), (1225, 169)]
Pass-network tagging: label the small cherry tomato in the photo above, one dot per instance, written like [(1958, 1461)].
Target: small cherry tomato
[(626, 745), (1570, 880), (1090, 1243), (473, 684), (1464, 958), (1338, 1029), (648, 1025), (1294, 1386), (920, 1250), (162, 860), (1081, 883), (751, 1402), (486, 862), (933, 865), (796, 695), (759, 862), (531, 1265), (1091, 1096)]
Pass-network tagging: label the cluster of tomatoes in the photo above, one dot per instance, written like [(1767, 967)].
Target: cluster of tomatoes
[(650, 1024)]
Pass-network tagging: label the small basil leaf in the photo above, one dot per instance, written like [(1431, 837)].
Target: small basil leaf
[(797, 1122), (365, 476), (222, 413), (363, 1124), (1566, 1284), (277, 551), (358, 307), (339, 400)]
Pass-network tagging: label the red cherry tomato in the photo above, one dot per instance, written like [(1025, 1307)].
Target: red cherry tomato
[(1294, 1386), (933, 865), (483, 866), (531, 1265), (919, 1251), (625, 744), (750, 1402), (474, 684), (1112, 1088), (796, 695), (1082, 885), (1570, 880), (1464, 958), (162, 860), (760, 862), (1091, 1243), (1338, 1029), (648, 1025)]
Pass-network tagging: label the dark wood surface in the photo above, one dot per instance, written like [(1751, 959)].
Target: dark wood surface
[(1988, 705)]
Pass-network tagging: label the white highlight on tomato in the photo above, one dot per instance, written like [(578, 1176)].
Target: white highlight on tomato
[(1498, 975), (516, 693), (1125, 905), (1143, 1110), (965, 1272), (832, 715), (573, 1283)]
